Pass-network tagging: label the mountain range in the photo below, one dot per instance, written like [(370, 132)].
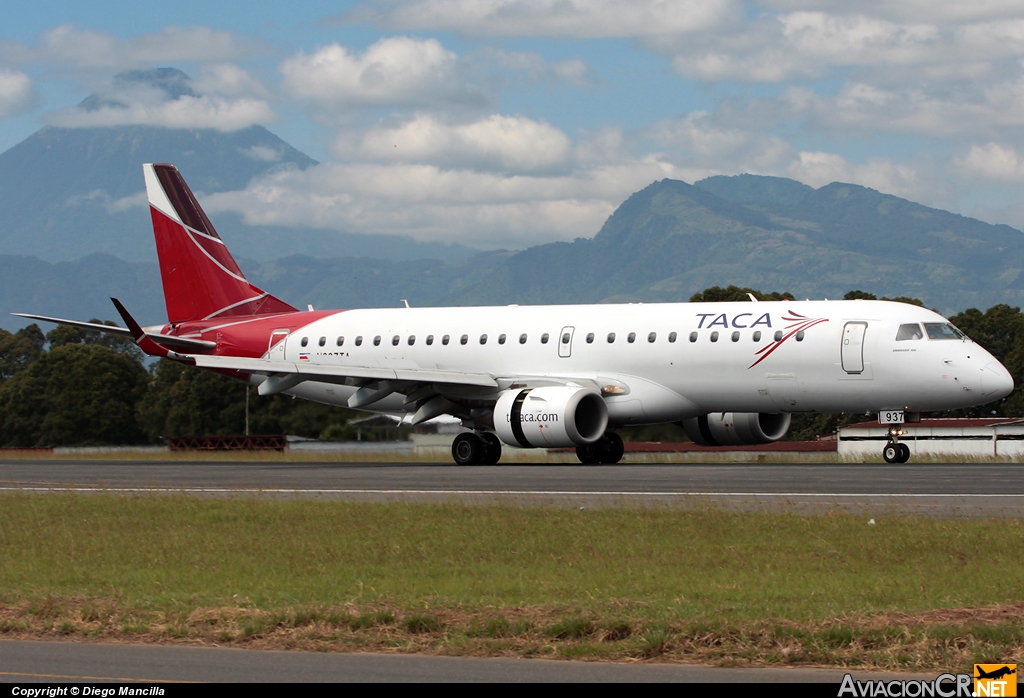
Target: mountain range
[(74, 230)]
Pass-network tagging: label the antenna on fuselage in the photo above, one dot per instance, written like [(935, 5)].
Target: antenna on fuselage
[(751, 296), (406, 302)]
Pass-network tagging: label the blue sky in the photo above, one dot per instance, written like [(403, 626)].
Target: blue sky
[(508, 122)]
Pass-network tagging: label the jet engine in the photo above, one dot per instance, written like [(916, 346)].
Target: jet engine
[(737, 428), (550, 417)]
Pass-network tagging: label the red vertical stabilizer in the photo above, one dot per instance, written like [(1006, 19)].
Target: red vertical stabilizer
[(201, 280)]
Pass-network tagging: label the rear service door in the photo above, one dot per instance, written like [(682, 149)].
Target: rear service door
[(853, 347), (275, 351), (565, 342)]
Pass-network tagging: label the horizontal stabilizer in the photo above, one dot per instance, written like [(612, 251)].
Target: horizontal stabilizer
[(166, 340)]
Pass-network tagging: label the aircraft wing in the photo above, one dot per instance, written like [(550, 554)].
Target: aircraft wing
[(166, 340), (338, 374)]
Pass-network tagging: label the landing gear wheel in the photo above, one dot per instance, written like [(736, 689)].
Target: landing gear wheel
[(589, 454), (492, 449), (892, 453), (904, 453), (613, 448), (468, 449), (607, 450)]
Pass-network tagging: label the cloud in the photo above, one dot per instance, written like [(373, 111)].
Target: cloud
[(184, 112), (919, 181), (943, 11), (229, 80), (549, 18), (481, 209), (162, 98), (16, 94), (73, 47), (571, 71), (261, 153), (993, 161), (395, 71), (939, 111), (500, 143), (100, 197), (701, 143)]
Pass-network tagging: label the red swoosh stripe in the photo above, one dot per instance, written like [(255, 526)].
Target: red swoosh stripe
[(803, 325)]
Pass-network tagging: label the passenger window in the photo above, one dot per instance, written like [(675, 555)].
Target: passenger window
[(565, 337), (305, 341), (323, 341), (544, 338), (757, 335), (714, 336), (522, 339), (412, 339), (483, 339), (631, 337), (909, 331), (395, 340), (735, 336), (672, 337), (501, 339), (800, 336), (341, 341), (464, 339), (590, 338), (359, 341), (430, 339), (376, 341), (652, 336), (611, 337), (444, 340), (778, 335), (693, 336)]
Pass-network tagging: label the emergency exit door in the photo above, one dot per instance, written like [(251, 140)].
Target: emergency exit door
[(853, 347)]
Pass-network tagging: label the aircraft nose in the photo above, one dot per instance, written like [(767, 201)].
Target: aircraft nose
[(996, 381)]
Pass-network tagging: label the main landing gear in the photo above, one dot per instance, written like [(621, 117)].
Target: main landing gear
[(473, 448), (894, 451), (605, 451)]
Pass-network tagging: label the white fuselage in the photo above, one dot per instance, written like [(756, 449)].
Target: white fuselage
[(833, 356)]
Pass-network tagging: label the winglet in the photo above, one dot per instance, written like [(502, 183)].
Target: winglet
[(142, 339)]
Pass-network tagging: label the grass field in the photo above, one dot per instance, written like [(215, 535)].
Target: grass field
[(702, 585)]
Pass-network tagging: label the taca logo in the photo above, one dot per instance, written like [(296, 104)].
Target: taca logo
[(740, 321)]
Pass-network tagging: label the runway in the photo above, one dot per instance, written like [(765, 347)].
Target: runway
[(959, 490), (91, 663)]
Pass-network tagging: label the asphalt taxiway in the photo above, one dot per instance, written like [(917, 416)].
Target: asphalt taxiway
[(948, 489)]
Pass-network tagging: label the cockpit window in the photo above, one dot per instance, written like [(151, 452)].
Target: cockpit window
[(943, 330), (910, 331)]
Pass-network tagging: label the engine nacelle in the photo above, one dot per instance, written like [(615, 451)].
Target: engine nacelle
[(737, 428), (550, 417)]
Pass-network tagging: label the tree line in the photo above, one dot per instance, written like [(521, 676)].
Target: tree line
[(74, 386)]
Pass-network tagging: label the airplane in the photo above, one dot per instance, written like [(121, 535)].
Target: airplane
[(995, 673), (557, 376)]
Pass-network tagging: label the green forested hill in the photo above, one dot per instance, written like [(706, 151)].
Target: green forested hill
[(672, 239)]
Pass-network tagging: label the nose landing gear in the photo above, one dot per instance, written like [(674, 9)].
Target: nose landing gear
[(894, 451)]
